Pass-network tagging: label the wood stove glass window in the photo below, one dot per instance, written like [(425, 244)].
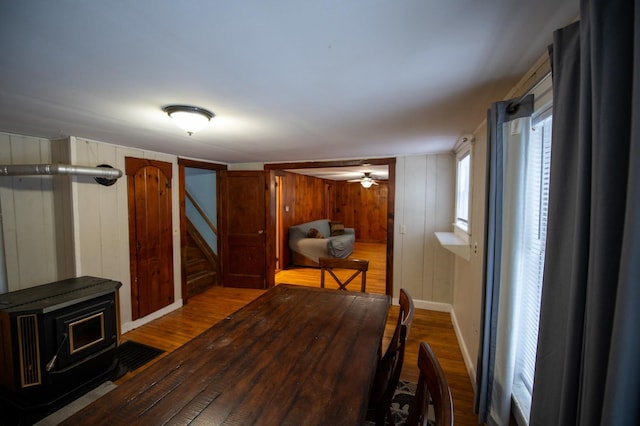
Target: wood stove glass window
[(86, 332)]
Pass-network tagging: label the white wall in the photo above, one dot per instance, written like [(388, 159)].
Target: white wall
[(467, 288), (57, 227), (102, 224), (27, 207), (424, 204)]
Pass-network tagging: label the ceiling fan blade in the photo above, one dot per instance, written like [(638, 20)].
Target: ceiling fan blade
[(354, 180)]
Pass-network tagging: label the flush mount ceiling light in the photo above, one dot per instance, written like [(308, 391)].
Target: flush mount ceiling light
[(189, 118)]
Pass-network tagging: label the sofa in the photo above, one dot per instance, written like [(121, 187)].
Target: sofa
[(312, 240)]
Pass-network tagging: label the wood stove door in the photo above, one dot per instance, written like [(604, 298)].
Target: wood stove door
[(150, 235)]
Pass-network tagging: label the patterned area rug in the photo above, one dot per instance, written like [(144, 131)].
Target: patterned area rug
[(401, 403)]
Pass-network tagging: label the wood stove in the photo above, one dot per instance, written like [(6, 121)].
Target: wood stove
[(57, 339)]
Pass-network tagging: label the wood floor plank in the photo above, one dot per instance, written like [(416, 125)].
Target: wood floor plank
[(178, 327)]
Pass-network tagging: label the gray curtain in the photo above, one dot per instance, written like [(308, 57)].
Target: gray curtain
[(588, 361), (500, 114)]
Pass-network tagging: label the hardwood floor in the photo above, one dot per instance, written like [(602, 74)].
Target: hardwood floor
[(178, 327), (376, 275)]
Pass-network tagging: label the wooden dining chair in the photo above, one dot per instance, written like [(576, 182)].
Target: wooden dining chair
[(390, 364), (432, 388), (359, 266)]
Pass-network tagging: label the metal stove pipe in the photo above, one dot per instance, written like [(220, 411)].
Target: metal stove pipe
[(105, 172)]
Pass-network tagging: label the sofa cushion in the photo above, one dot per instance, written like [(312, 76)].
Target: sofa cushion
[(341, 245), (314, 233), (336, 228), (315, 248)]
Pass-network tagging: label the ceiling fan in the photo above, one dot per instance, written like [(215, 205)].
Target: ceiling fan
[(366, 181)]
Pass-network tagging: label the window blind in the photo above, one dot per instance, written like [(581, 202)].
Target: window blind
[(532, 258)]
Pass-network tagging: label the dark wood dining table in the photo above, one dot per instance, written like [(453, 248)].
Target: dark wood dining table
[(294, 356)]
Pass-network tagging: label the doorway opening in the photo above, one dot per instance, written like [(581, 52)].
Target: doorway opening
[(198, 194), (276, 232)]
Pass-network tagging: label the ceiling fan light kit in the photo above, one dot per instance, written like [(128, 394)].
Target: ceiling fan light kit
[(189, 118), (366, 180)]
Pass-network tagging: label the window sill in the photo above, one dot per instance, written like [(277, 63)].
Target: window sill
[(454, 244)]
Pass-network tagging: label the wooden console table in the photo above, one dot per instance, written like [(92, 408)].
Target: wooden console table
[(296, 355)]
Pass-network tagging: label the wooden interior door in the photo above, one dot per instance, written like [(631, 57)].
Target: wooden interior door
[(150, 235), (242, 223)]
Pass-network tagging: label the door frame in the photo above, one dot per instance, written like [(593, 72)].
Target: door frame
[(273, 168), (193, 164)]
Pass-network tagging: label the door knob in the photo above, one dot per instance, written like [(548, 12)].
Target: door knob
[(260, 232)]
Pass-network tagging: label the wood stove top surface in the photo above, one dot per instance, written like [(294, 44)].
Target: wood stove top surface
[(56, 295)]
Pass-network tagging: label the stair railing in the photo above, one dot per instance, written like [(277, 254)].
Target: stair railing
[(202, 213)]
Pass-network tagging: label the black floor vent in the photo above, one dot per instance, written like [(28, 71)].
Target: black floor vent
[(132, 355)]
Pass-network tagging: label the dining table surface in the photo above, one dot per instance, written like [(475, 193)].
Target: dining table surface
[(296, 355)]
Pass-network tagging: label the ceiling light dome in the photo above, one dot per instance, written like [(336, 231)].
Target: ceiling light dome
[(189, 118)]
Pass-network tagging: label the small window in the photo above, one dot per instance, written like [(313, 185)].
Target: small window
[(463, 186)]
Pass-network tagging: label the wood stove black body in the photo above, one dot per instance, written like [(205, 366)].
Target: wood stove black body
[(57, 340)]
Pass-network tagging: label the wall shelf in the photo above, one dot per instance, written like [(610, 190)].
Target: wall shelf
[(454, 244)]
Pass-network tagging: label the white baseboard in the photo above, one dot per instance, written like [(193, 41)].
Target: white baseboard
[(128, 326), (426, 304), (445, 307), (471, 371)]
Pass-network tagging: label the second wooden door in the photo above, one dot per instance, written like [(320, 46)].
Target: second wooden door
[(242, 222)]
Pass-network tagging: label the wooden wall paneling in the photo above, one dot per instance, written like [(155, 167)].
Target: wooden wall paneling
[(108, 202), (343, 211), (7, 210), (305, 198), (66, 261), (32, 217), (412, 251), (430, 212), (90, 235), (391, 225), (399, 207), (375, 211), (443, 217), (48, 235), (364, 209), (99, 224), (330, 199)]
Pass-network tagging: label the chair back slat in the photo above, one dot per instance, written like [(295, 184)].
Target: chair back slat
[(359, 266)]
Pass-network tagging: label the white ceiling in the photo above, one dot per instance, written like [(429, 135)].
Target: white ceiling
[(287, 80), (378, 172)]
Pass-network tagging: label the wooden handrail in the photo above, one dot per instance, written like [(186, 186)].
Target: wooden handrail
[(202, 213)]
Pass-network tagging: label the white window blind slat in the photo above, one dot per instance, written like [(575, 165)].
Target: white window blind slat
[(532, 258)]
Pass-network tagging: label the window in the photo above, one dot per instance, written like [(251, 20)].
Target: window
[(531, 258), (463, 185)]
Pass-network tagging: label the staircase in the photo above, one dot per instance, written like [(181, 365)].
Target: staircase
[(201, 263)]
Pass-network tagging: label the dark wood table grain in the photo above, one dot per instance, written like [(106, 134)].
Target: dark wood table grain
[(294, 356)]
